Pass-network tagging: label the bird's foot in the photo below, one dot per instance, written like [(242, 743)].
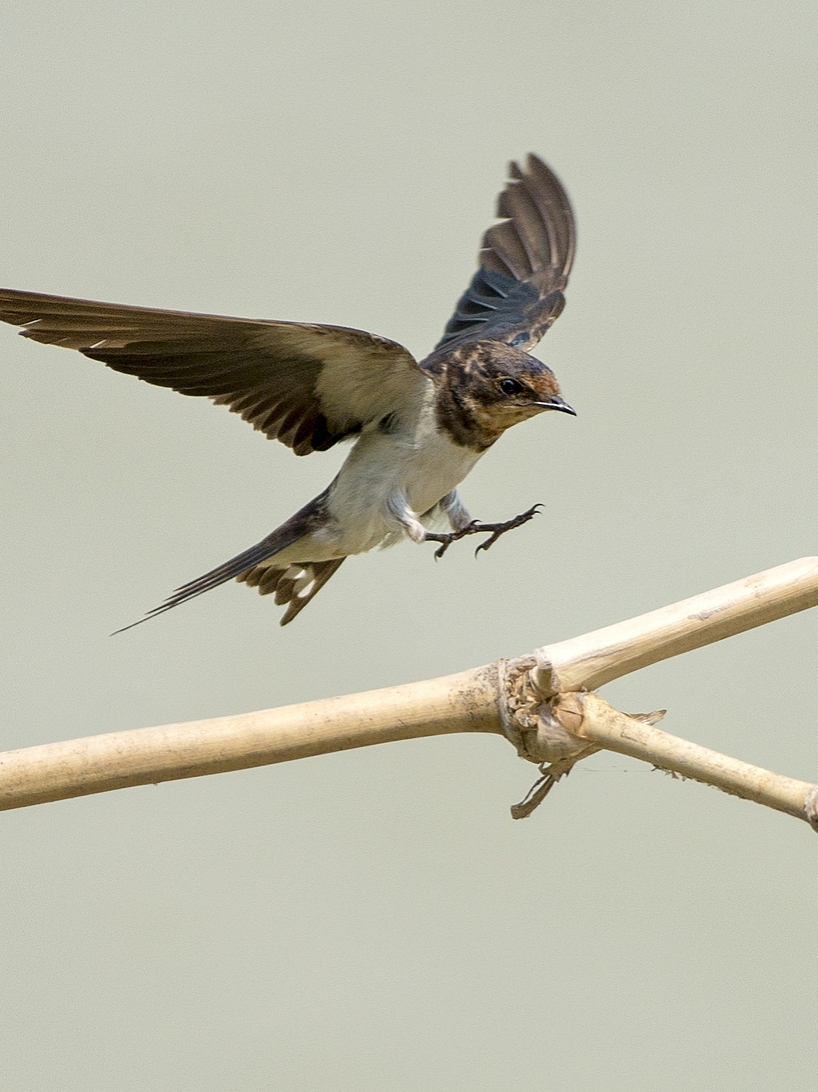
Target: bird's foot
[(494, 530)]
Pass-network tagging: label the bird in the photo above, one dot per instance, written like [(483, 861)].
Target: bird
[(418, 427)]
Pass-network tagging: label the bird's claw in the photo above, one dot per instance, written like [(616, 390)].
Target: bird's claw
[(452, 536), (494, 530)]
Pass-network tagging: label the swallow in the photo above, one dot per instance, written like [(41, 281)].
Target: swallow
[(418, 427)]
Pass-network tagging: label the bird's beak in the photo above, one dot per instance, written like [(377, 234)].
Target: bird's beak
[(557, 403)]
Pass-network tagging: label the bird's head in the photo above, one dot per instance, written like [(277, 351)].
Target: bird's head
[(490, 386)]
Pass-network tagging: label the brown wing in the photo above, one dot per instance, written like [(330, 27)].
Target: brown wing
[(307, 386), (516, 293)]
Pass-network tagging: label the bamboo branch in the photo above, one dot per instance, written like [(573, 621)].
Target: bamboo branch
[(584, 663), (528, 699), (606, 727), (467, 702)]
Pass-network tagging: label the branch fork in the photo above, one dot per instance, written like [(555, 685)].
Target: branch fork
[(543, 703)]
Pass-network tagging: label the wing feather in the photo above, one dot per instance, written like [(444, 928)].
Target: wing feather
[(308, 386), (517, 292)]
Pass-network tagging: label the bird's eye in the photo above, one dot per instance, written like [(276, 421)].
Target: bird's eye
[(510, 386)]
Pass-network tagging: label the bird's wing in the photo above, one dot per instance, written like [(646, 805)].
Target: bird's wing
[(307, 386), (516, 294)]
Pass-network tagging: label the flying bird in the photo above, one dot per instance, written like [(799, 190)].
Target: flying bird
[(418, 427)]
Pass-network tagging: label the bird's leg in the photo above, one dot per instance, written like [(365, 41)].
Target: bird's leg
[(494, 530), (398, 506)]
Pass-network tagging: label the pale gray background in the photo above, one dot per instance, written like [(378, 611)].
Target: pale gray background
[(375, 919)]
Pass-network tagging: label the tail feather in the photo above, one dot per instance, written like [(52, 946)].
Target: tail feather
[(220, 575), (247, 566), (294, 584)]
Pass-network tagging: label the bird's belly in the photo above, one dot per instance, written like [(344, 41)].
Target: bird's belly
[(380, 468)]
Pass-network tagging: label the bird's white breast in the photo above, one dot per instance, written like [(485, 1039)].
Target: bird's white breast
[(417, 461)]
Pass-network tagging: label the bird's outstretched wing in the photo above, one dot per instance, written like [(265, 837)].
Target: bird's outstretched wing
[(307, 386), (516, 294)]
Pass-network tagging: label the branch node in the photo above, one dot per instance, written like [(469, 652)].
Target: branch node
[(811, 808), (543, 729), (547, 730)]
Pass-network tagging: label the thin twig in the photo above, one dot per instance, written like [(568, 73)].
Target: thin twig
[(615, 731)]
